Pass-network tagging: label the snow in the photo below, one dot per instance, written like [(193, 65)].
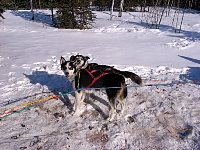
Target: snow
[(165, 115)]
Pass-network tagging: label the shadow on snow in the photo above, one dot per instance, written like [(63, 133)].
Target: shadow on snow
[(55, 83), (193, 73), (188, 35), (38, 16), (59, 83), (46, 19)]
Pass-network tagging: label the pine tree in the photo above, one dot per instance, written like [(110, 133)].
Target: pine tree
[(1, 12), (74, 14)]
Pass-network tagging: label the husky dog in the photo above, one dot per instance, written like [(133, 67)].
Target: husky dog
[(81, 62), (84, 78)]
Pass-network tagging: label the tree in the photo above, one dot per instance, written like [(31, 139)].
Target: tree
[(1, 13), (102, 4), (52, 5), (121, 8), (31, 5), (112, 8), (74, 14)]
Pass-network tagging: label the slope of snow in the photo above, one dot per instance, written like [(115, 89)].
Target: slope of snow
[(162, 116)]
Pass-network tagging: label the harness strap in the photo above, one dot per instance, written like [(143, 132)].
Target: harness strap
[(78, 76), (94, 78), (90, 73)]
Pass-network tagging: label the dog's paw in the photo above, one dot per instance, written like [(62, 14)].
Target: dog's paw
[(74, 112), (77, 113), (110, 119)]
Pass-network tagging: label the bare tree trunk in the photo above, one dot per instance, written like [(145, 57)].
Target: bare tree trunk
[(2, 16), (190, 4), (39, 4), (168, 7), (35, 4), (121, 8), (14, 5), (189, 7), (182, 21), (111, 12), (165, 7), (145, 5), (158, 25), (154, 14), (177, 19), (31, 3), (52, 17)]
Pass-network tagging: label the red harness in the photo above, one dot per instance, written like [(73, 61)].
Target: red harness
[(93, 77)]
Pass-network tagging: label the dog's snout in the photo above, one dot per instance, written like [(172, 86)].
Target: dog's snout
[(66, 74), (78, 61)]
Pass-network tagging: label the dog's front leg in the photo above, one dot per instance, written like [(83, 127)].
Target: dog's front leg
[(75, 101), (79, 98)]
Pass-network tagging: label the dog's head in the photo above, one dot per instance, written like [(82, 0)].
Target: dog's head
[(68, 68), (79, 61)]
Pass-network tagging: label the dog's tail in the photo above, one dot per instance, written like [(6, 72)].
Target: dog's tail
[(134, 77)]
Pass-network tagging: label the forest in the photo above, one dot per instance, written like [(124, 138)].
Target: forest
[(78, 14)]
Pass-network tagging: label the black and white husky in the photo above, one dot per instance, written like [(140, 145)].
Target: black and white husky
[(81, 62), (83, 78)]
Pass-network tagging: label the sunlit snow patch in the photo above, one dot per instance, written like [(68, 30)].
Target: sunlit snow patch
[(181, 43)]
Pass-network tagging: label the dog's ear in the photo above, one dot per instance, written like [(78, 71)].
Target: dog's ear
[(72, 58), (86, 58), (62, 60)]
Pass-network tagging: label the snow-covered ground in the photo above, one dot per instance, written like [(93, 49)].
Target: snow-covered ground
[(165, 115)]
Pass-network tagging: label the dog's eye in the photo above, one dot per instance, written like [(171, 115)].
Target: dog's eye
[(63, 67), (70, 68)]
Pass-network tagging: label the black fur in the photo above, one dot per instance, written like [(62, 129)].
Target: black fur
[(83, 79), (112, 80), (114, 85), (104, 68)]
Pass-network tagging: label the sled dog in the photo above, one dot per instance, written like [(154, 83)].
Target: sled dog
[(84, 78), (81, 62)]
